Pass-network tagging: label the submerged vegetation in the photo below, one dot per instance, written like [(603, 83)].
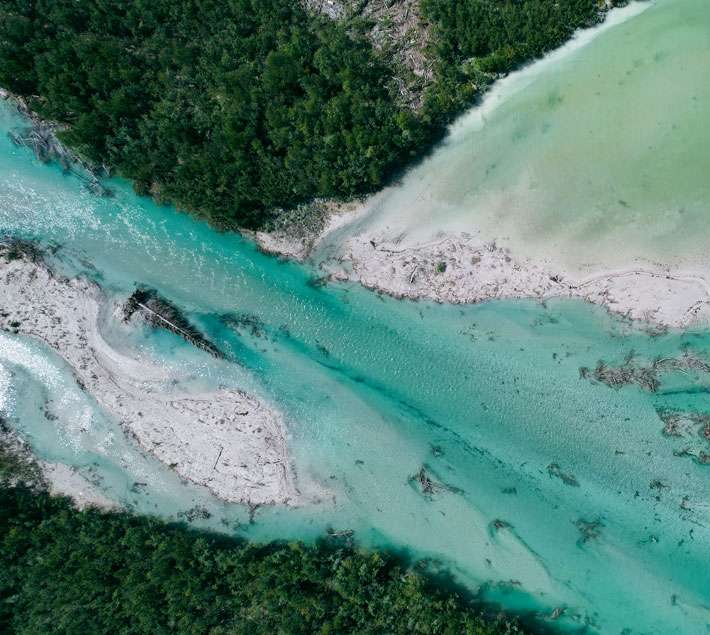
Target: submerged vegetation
[(70, 571), (240, 109)]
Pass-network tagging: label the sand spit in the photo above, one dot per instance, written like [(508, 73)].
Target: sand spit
[(226, 440), (462, 269)]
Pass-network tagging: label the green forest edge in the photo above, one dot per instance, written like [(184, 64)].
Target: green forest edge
[(65, 570), (238, 110)]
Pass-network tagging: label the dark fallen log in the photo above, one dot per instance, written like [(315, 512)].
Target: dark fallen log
[(160, 313), (554, 470)]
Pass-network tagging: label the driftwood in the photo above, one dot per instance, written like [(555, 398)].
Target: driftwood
[(161, 313), (428, 486), (646, 376), (679, 423), (253, 508), (691, 426)]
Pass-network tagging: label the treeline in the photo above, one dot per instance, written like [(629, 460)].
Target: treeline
[(69, 571), (236, 108), (476, 40), (224, 107)]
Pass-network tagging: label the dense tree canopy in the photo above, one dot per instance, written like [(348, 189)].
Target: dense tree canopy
[(69, 571), (227, 107)]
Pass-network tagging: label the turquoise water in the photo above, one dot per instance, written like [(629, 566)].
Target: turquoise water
[(487, 397)]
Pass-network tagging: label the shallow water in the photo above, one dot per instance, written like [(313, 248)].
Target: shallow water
[(487, 397), (597, 155)]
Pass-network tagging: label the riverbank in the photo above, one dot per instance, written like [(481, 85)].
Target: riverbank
[(468, 268), (143, 574), (460, 269), (525, 199), (225, 440)]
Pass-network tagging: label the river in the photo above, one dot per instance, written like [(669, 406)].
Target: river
[(556, 490)]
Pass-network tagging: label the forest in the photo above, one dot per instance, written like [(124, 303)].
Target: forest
[(69, 571), (237, 109)]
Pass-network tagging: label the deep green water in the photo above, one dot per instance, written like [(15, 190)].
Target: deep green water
[(487, 397)]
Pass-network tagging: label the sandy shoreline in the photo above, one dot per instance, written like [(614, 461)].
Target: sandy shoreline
[(225, 440), (394, 243), (462, 269)]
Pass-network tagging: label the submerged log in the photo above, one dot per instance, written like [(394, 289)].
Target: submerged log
[(41, 138), (554, 470), (428, 486), (161, 313)]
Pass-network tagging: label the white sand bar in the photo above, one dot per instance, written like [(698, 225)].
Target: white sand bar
[(226, 440)]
